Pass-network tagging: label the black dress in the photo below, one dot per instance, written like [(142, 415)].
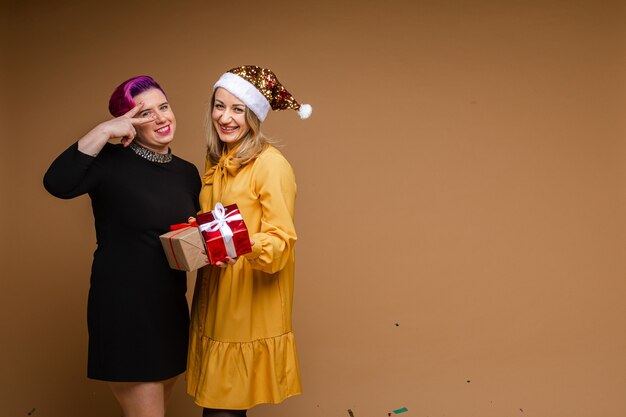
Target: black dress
[(137, 312)]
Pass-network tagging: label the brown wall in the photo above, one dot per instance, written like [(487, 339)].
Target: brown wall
[(461, 195)]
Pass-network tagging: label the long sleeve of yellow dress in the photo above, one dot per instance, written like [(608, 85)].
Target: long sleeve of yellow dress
[(275, 184), (242, 349)]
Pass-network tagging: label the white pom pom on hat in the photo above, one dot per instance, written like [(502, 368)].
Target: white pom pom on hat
[(305, 111)]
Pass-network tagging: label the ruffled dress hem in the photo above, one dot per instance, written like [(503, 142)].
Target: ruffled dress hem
[(240, 375)]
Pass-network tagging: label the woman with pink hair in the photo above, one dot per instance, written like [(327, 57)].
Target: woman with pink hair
[(137, 314)]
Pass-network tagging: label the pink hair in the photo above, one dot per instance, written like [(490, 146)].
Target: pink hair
[(121, 100)]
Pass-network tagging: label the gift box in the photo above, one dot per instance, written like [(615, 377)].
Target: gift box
[(184, 247), (225, 233)]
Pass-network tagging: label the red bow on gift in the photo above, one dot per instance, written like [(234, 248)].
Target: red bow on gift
[(183, 225)]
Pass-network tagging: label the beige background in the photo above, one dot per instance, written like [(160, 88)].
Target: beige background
[(461, 195)]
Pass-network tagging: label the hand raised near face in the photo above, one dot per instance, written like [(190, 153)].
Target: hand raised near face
[(121, 127), (124, 126)]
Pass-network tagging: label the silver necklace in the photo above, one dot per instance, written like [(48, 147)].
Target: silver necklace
[(161, 158)]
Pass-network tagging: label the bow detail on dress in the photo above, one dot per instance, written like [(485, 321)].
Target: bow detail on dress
[(219, 170)]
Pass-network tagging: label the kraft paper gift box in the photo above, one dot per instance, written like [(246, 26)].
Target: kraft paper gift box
[(184, 247), (224, 232)]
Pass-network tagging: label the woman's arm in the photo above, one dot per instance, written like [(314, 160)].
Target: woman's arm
[(67, 177), (276, 186), (120, 127)]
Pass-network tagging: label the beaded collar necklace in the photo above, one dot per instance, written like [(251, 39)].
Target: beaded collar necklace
[(161, 158)]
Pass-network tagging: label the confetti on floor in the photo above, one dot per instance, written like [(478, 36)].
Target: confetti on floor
[(401, 410)]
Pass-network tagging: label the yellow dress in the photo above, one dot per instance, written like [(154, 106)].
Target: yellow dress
[(242, 350)]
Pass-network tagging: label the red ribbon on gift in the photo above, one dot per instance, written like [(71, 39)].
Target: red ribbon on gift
[(182, 227)]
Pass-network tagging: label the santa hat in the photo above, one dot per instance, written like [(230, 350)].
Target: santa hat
[(260, 90)]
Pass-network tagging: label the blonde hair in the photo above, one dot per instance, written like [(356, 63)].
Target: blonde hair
[(250, 146)]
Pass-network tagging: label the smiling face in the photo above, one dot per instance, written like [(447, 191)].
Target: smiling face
[(229, 118), (157, 134)]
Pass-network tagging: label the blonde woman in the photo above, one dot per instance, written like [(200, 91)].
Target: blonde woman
[(242, 349)]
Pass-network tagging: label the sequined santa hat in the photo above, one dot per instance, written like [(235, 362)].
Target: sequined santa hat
[(260, 90)]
